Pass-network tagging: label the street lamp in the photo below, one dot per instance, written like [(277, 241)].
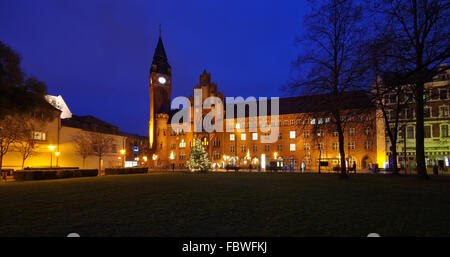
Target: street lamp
[(122, 152), (52, 148), (57, 158)]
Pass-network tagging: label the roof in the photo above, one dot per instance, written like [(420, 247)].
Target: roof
[(160, 59), (312, 103), (90, 123)]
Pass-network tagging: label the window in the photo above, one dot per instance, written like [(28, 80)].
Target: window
[(320, 146), (292, 134), (216, 155), (216, 142), (335, 134), (427, 112), (243, 149), (410, 132), (444, 130), (182, 144), (320, 133), (266, 148), (306, 147), (37, 135), (232, 137), (443, 94), (367, 131), (232, 148), (280, 147), (182, 156), (444, 111), (409, 114), (427, 131), (313, 121), (367, 145), (172, 146), (306, 134), (255, 148), (351, 145), (238, 126), (392, 98), (286, 123), (243, 136), (292, 147), (351, 131), (255, 136), (280, 136), (292, 122), (335, 145)]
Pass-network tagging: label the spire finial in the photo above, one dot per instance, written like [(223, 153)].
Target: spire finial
[(159, 30)]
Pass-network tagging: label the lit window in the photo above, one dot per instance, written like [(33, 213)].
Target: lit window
[(351, 131), (182, 144), (292, 134), (410, 132), (351, 145), (238, 126), (320, 132), (335, 145), (39, 135), (292, 147), (444, 131), (232, 148), (306, 146), (443, 110), (243, 136), (255, 136), (320, 146), (305, 134), (231, 137)]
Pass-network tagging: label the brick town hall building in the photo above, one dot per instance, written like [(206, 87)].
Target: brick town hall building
[(304, 135)]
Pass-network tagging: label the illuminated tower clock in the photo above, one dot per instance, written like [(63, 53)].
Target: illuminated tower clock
[(160, 88)]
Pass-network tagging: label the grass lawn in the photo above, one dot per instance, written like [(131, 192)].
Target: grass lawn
[(227, 204)]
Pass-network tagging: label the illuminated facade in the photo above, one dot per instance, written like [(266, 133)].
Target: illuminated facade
[(436, 126), (305, 135)]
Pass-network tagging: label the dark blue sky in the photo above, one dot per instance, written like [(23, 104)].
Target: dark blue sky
[(97, 53)]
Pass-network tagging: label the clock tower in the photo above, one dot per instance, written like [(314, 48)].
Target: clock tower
[(160, 82)]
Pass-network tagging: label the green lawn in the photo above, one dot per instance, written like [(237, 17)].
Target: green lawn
[(227, 204)]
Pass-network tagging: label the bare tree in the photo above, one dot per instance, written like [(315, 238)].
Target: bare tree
[(83, 146), (9, 134), (418, 32), (331, 61), (25, 143), (100, 144)]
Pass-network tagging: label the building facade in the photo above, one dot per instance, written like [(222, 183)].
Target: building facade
[(436, 125), (305, 132)]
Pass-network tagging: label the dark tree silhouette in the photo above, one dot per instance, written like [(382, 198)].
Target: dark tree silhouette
[(331, 61), (19, 94)]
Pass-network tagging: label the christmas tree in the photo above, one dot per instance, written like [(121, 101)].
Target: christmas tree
[(198, 161)]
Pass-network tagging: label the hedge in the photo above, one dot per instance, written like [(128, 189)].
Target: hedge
[(120, 171), (24, 175)]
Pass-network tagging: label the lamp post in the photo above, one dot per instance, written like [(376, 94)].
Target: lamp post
[(52, 148), (57, 158), (122, 152)]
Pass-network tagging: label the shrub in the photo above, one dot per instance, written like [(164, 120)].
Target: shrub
[(24, 175)]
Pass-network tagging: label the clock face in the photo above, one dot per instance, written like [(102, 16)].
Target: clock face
[(162, 80)]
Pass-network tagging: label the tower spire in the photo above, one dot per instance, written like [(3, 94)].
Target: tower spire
[(159, 30)]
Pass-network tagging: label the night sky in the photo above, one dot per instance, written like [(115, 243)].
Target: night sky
[(97, 54)]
